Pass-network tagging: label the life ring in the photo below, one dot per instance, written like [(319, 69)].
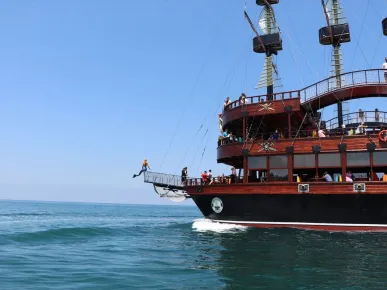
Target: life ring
[(383, 135)]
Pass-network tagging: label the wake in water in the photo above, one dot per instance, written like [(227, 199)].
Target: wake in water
[(206, 225)]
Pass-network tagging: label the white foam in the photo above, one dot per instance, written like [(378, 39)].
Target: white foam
[(206, 225)]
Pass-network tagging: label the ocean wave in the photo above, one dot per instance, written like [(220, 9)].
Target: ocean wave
[(206, 225), (23, 214), (61, 234)]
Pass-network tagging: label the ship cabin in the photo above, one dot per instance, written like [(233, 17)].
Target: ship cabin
[(282, 138)]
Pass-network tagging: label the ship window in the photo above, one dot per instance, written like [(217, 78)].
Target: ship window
[(304, 161), (279, 161), (257, 162), (329, 160), (380, 158), (358, 159), (278, 175)]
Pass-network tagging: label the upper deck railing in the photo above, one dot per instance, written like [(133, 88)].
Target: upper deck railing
[(331, 84), (355, 117), (264, 98), (345, 80)]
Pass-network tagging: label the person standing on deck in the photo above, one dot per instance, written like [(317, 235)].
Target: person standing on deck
[(242, 99), (220, 123), (377, 115), (209, 177), (144, 168), (226, 103), (361, 116), (184, 175), (233, 176), (204, 177), (384, 66)]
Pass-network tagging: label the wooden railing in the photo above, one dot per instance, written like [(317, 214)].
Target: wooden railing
[(331, 129), (214, 181), (331, 84), (264, 98)]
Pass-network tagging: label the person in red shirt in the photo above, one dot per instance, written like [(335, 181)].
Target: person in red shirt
[(204, 177)]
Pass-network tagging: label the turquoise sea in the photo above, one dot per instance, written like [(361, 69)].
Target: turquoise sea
[(46, 245)]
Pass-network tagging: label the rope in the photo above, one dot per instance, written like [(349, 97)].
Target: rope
[(229, 78), (189, 96), (296, 63), (252, 122), (204, 150), (380, 37), (310, 67), (361, 31), (259, 126), (189, 147), (227, 82), (235, 66), (299, 128), (327, 19)]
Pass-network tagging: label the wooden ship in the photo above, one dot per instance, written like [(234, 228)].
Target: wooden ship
[(293, 169)]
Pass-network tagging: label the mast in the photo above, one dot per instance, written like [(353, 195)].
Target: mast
[(269, 43), (334, 34), (337, 60)]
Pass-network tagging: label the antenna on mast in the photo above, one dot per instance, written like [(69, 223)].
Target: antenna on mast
[(269, 43), (335, 33)]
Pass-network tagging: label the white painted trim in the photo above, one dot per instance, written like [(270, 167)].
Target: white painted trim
[(301, 224)]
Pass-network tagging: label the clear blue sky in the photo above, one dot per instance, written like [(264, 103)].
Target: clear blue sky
[(91, 88)]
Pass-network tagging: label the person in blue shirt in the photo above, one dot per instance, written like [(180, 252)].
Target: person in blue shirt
[(327, 177), (275, 135), (225, 137)]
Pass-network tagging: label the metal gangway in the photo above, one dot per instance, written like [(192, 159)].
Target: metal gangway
[(167, 185)]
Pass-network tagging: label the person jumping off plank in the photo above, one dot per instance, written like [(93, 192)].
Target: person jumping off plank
[(145, 167)]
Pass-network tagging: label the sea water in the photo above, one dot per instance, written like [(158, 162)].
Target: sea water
[(104, 246)]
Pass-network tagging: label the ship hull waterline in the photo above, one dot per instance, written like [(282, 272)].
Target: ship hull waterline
[(324, 212)]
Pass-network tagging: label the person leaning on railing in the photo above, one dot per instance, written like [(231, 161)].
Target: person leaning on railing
[(226, 103), (384, 66), (242, 99), (321, 133)]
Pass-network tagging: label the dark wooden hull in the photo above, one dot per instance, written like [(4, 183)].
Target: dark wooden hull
[(333, 212)]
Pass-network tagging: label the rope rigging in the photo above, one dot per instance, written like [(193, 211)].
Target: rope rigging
[(189, 96), (361, 31), (224, 87), (204, 150), (299, 128), (381, 34), (257, 131)]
